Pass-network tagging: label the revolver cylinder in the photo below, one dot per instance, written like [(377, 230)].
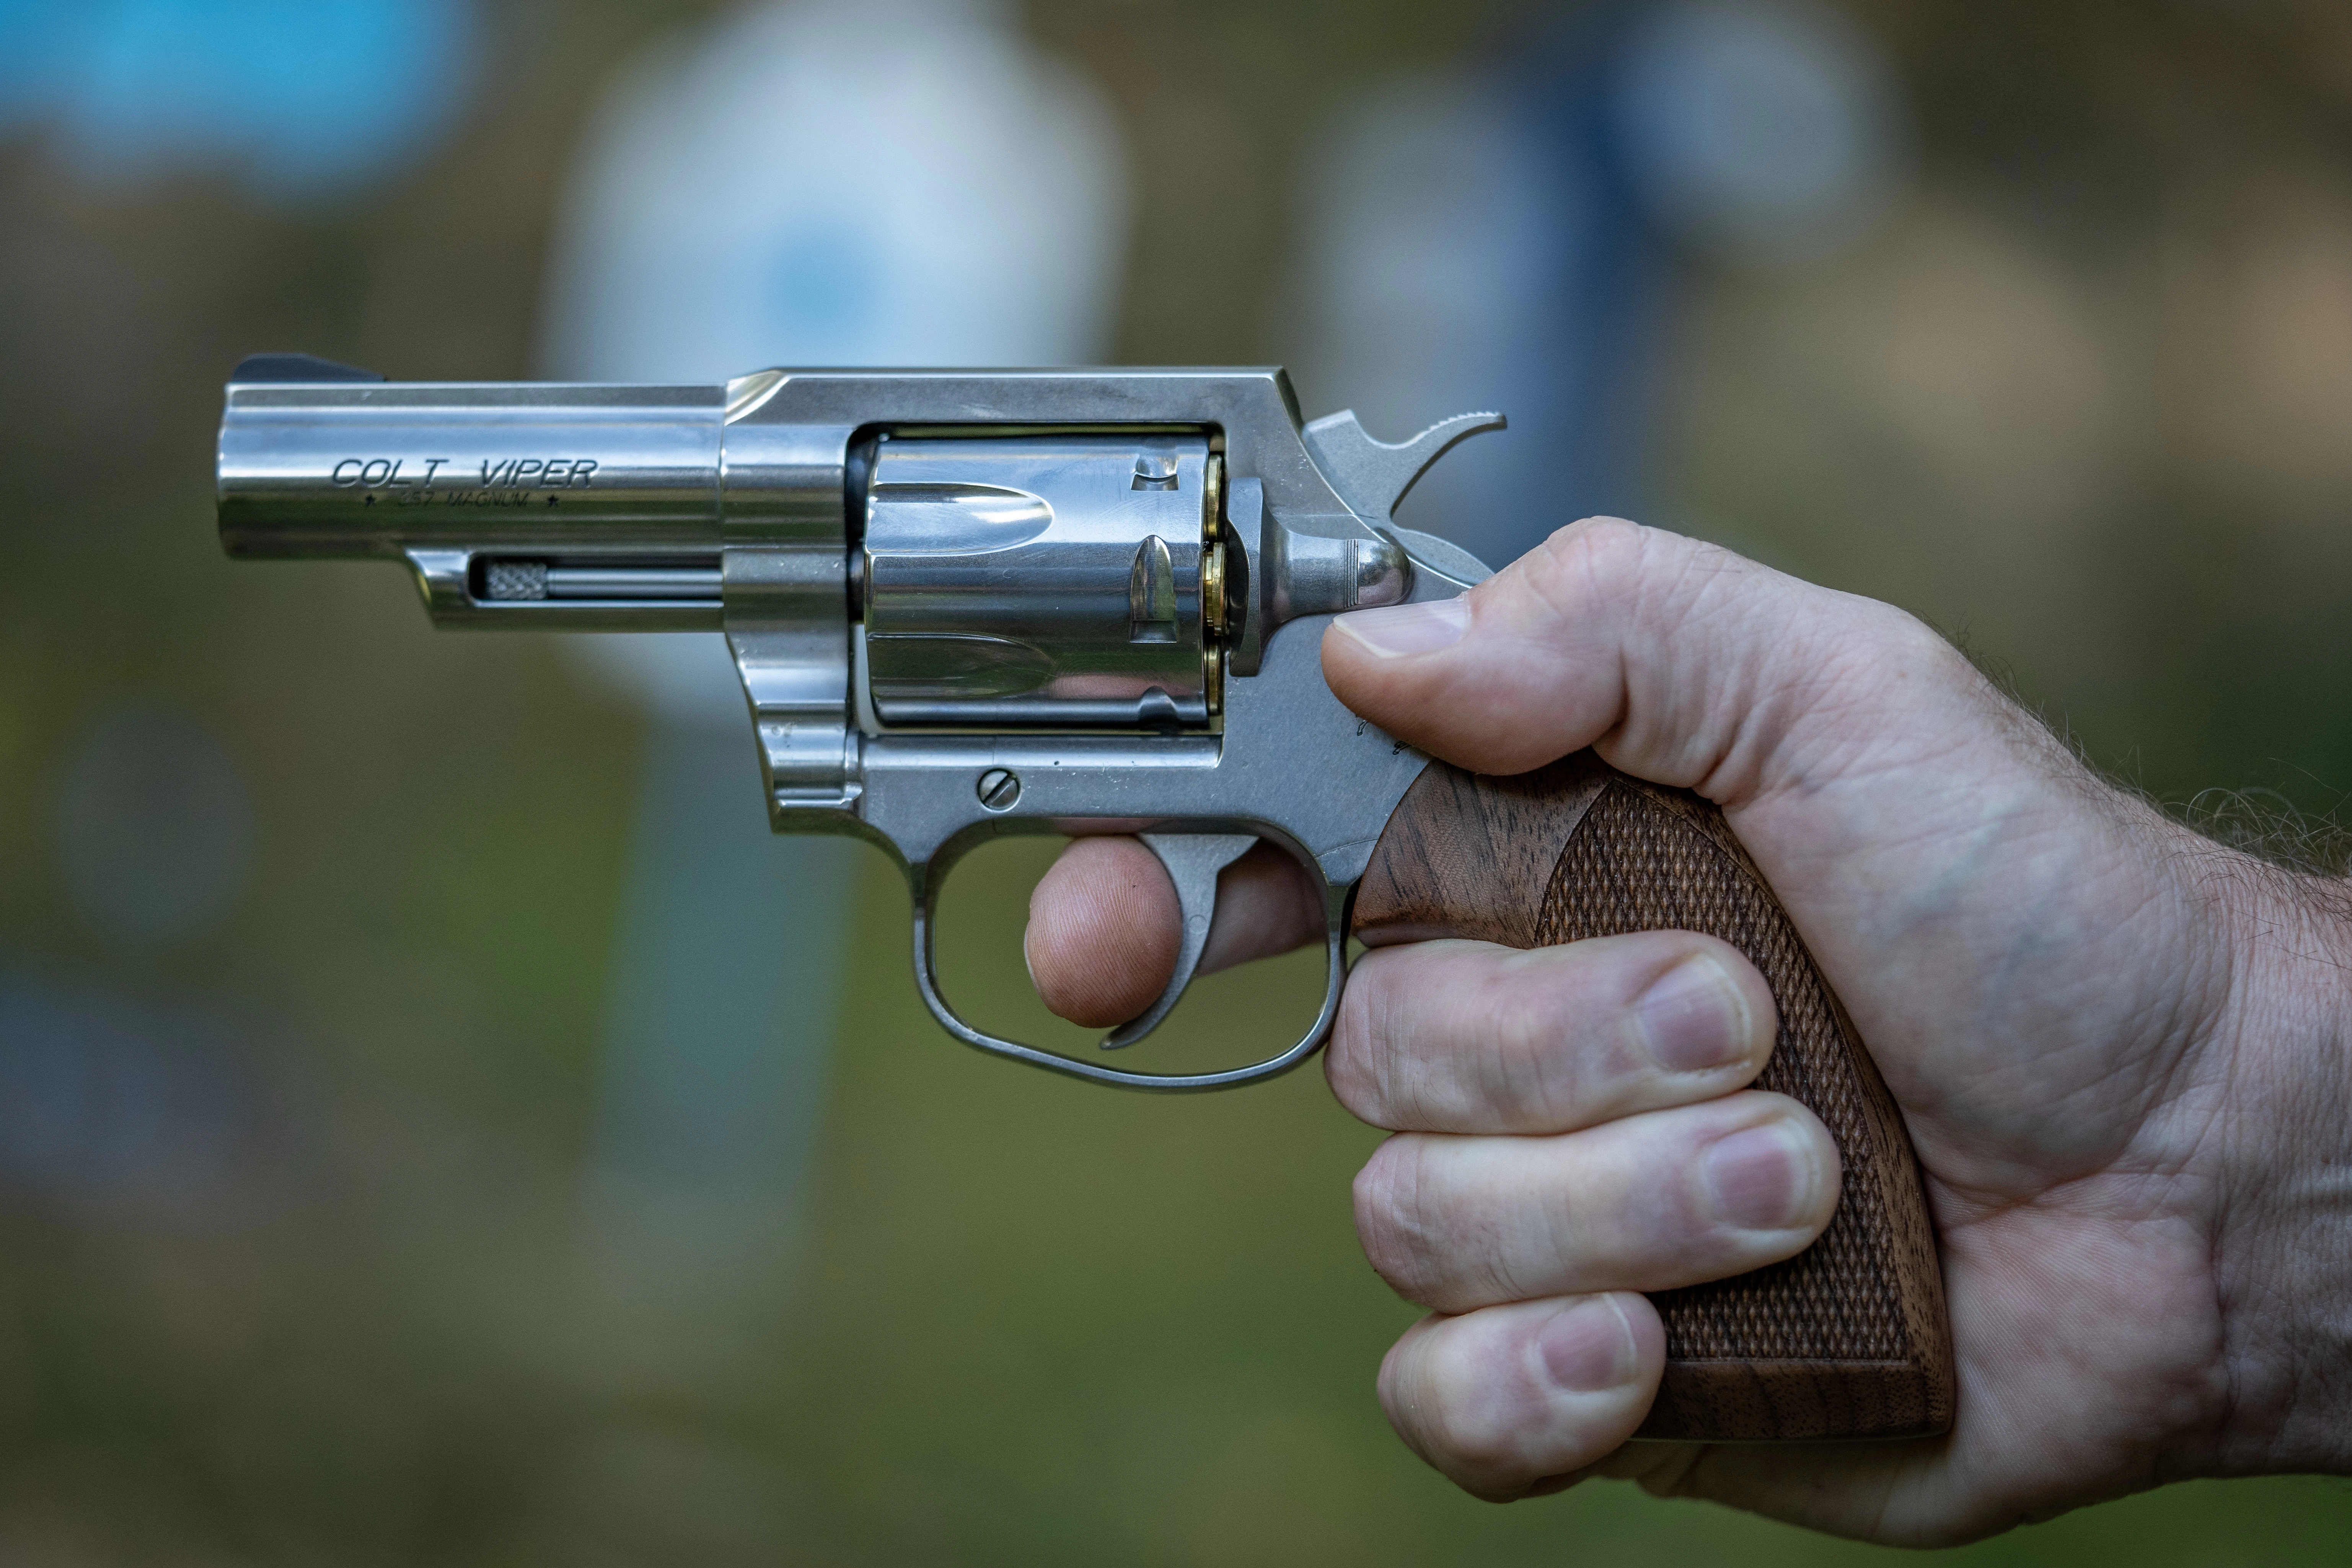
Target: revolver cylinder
[(1049, 581)]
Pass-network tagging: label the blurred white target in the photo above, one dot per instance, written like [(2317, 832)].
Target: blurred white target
[(845, 183), (824, 182)]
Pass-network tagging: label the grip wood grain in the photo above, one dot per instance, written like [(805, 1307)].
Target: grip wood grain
[(1848, 1339)]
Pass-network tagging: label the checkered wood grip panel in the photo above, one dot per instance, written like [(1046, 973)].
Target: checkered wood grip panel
[(1634, 866)]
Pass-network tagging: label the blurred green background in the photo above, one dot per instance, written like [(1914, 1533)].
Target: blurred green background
[(291, 1257)]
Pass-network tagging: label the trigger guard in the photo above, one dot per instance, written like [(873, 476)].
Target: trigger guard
[(1335, 943)]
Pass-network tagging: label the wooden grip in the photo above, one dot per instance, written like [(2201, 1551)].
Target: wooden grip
[(1848, 1339)]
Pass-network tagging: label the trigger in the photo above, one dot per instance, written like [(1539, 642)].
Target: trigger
[(1194, 860)]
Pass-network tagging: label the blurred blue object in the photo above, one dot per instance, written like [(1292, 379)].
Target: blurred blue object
[(152, 826), (1511, 236), (297, 96), (104, 1096), (109, 1099)]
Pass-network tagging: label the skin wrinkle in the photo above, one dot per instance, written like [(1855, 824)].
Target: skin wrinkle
[(1587, 567), (1863, 765), (1400, 1238), (1731, 770), (2267, 1187), (2030, 940), (2174, 1031), (2304, 903), (1520, 1057), (1746, 821), (2213, 988), (1745, 750), (2166, 1466), (1533, 1075), (1676, 602), (1385, 1067), (2013, 978), (1562, 1234), (1384, 1243), (1662, 613), (2071, 1109), (2098, 1249), (2103, 1200), (2150, 898), (1518, 1030), (1400, 1388)]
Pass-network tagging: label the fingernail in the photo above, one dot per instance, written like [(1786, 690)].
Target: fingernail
[(1694, 1016), (1588, 1347), (1761, 1178), (1395, 630)]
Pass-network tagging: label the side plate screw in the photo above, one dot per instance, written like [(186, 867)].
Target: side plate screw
[(998, 788)]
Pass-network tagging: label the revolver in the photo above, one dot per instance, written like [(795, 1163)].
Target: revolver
[(966, 604)]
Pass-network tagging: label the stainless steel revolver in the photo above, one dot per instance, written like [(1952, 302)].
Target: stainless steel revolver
[(973, 603), (963, 603)]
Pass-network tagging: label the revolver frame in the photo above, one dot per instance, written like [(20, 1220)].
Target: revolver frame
[(740, 507)]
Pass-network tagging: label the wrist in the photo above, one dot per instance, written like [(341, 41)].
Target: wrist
[(2283, 1229)]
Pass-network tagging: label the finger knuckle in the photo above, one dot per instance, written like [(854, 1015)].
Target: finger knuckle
[(1598, 554), (1439, 1035), (1392, 1217), (1360, 1062), (1602, 542)]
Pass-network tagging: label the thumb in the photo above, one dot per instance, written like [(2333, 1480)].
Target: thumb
[(1679, 661)]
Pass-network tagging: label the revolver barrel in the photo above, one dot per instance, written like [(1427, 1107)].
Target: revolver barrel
[(514, 505)]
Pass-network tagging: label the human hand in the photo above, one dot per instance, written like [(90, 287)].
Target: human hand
[(2118, 1046)]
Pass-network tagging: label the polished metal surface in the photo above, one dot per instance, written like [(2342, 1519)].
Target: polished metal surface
[(1030, 548), (1045, 580), (509, 580), (1374, 476), (465, 482), (370, 470)]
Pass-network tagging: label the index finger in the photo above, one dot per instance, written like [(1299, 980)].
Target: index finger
[(1104, 925)]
